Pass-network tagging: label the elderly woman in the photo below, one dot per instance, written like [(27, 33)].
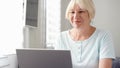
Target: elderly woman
[(90, 47)]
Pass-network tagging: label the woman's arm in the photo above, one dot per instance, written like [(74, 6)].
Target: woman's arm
[(105, 63)]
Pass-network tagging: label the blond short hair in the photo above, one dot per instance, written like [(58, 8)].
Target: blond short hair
[(84, 4)]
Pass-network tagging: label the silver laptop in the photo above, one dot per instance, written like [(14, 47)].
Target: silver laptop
[(37, 58)]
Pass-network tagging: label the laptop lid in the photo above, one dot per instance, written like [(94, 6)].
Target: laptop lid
[(36, 58)]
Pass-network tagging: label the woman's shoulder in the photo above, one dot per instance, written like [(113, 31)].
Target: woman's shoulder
[(64, 32), (103, 32)]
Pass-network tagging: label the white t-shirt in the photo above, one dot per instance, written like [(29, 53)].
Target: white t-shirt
[(87, 53)]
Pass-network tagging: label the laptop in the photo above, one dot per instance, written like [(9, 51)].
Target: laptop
[(41, 58)]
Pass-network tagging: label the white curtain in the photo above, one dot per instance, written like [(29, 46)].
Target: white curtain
[(11, 26)]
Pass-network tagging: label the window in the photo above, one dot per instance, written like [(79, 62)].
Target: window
[(11, 26), (52, 21)]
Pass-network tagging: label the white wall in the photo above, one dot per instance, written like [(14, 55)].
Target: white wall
[(64, 23), (107, 17)]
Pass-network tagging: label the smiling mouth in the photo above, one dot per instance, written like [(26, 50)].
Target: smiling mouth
[(77, 21)]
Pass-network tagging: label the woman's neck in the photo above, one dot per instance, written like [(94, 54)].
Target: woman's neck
[(81, 34)]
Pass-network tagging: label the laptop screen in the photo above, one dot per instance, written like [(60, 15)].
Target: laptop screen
[(36, 58)]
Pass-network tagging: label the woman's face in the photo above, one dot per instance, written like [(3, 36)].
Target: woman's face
[(79, 17)]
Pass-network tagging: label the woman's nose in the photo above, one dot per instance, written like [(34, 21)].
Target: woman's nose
[(76, 15)]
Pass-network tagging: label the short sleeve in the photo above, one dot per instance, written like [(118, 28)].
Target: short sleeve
[(58, 43), (106, 47)]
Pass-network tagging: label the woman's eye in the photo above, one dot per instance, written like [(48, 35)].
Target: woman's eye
[(72, 12), (81, 11)]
